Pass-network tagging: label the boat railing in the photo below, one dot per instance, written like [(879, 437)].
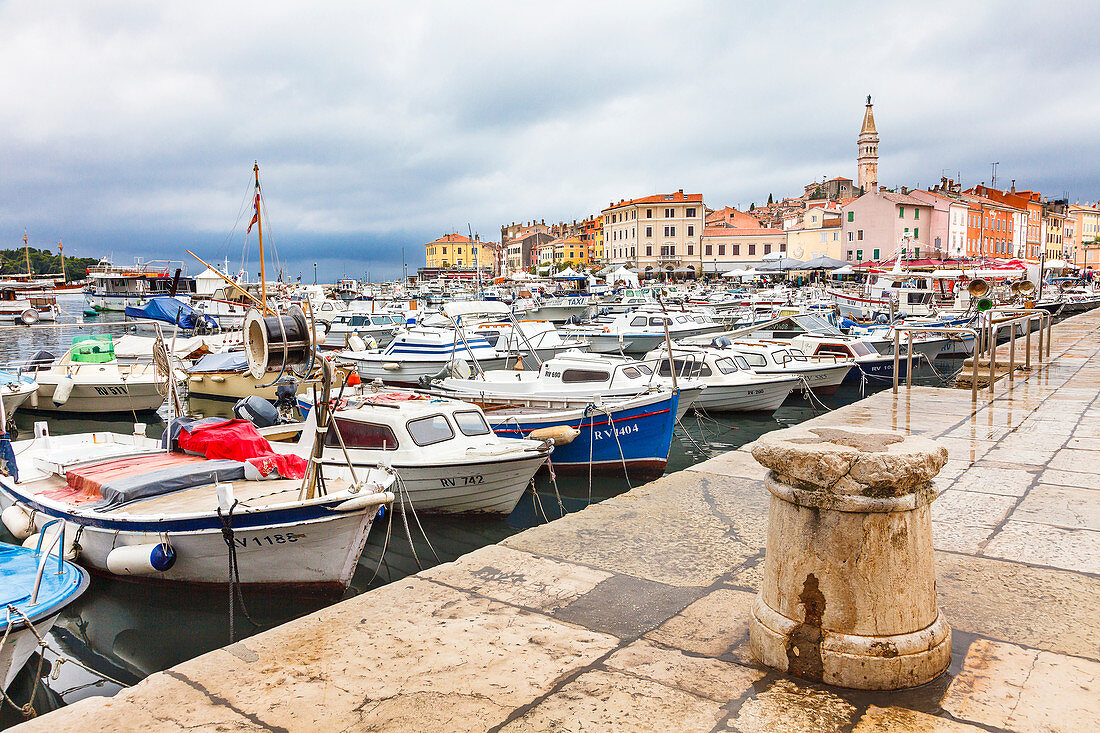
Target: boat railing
[(58, 540)]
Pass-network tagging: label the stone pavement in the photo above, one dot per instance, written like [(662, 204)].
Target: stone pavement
[(633, 614)]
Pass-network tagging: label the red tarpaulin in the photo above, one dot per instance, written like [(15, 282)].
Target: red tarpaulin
[(237, 440)]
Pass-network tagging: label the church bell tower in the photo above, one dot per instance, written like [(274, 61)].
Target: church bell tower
[(867, 161)]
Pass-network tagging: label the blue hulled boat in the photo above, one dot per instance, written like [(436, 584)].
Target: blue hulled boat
[(35, 586), (634, 433)]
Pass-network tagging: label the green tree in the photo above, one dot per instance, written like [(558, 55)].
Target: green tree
[(43, 262), (770, 200), (752, 207)]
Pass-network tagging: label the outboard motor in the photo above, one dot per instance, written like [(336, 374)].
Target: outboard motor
[(286, 401), (256, 410), (41, 358)]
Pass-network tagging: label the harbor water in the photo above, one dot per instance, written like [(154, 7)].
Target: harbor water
[(129, 630)]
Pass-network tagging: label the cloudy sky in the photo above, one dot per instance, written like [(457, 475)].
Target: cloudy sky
[(130, 128)]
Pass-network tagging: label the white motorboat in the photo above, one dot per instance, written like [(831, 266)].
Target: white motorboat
[(133, 510), (523, 337), (823, 375), (562, 308), (642, 330), (88, 379), (731, 384), (447, 458), (367, 327), (425, 352), (574, 379)]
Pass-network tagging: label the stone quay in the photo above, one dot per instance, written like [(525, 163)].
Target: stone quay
[(635, 613)]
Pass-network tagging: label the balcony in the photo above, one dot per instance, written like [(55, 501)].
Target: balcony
[(668, 259)]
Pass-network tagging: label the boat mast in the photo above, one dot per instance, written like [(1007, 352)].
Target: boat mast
[(61, 252), (27, 251), (260, 235)]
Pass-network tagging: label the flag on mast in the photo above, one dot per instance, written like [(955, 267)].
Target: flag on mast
[(255, 210)]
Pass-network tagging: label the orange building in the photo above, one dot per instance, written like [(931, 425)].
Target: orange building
[(989, 227)]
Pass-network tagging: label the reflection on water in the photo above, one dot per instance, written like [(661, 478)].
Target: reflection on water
[(129, 630)]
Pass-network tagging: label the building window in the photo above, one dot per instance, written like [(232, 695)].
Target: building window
[(669, 213), (782, 246), (752, 249), (851, 216), (916, 232), (709, 250), (851, 236), (649, 251), (736, 250), (859, 234), (690, 214), (691, 249), (691, 231), (876, 254), (670, 231), (649, 231), (721, 250), (901, 212), (916, 213), (767, 249), (849, 255), (649, 213), (859, 255), (444, 250)]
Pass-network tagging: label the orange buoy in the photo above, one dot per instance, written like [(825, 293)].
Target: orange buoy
[(353, 379)]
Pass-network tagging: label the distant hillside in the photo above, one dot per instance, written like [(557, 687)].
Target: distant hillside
[(43, 262)]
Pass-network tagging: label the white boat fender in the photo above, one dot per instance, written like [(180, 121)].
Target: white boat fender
[(30, 316), (356, 503), (19, 521), (157, 557), (70, 540), (391, 366), (356, 343), (558, 434), (62, 391)]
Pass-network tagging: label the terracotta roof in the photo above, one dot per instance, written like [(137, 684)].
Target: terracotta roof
[(661, 198), (452, 238), (841, 178)]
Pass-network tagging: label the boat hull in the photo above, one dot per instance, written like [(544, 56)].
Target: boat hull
[(752, 397), (637, 437), (485, 487), (136, 395), (318, 551)]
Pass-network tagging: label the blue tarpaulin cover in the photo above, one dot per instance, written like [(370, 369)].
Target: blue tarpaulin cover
[(169, 310)]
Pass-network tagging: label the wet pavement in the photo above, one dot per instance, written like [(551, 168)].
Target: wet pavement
[(633, 613)]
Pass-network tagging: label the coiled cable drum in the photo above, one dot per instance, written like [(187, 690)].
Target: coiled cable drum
[(278, 342)]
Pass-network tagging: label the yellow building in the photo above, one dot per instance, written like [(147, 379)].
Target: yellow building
[(571, 251), (457, 251)]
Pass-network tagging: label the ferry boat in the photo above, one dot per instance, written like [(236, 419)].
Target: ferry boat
[(112, 287)]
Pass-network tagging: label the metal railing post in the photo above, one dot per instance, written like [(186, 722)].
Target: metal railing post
[(1027, 342), (909, 362), (993, 330), (897, 357), (1012, 352)]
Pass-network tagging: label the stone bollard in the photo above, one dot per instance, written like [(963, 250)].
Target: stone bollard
[(848, 595)]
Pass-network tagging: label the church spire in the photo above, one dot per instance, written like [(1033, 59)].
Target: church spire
[(867, 160), (868, 119)]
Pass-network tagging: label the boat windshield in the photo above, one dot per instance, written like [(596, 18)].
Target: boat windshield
[(725, 365), (361, 435), (471, 423), (756, 360), (429, 430)]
